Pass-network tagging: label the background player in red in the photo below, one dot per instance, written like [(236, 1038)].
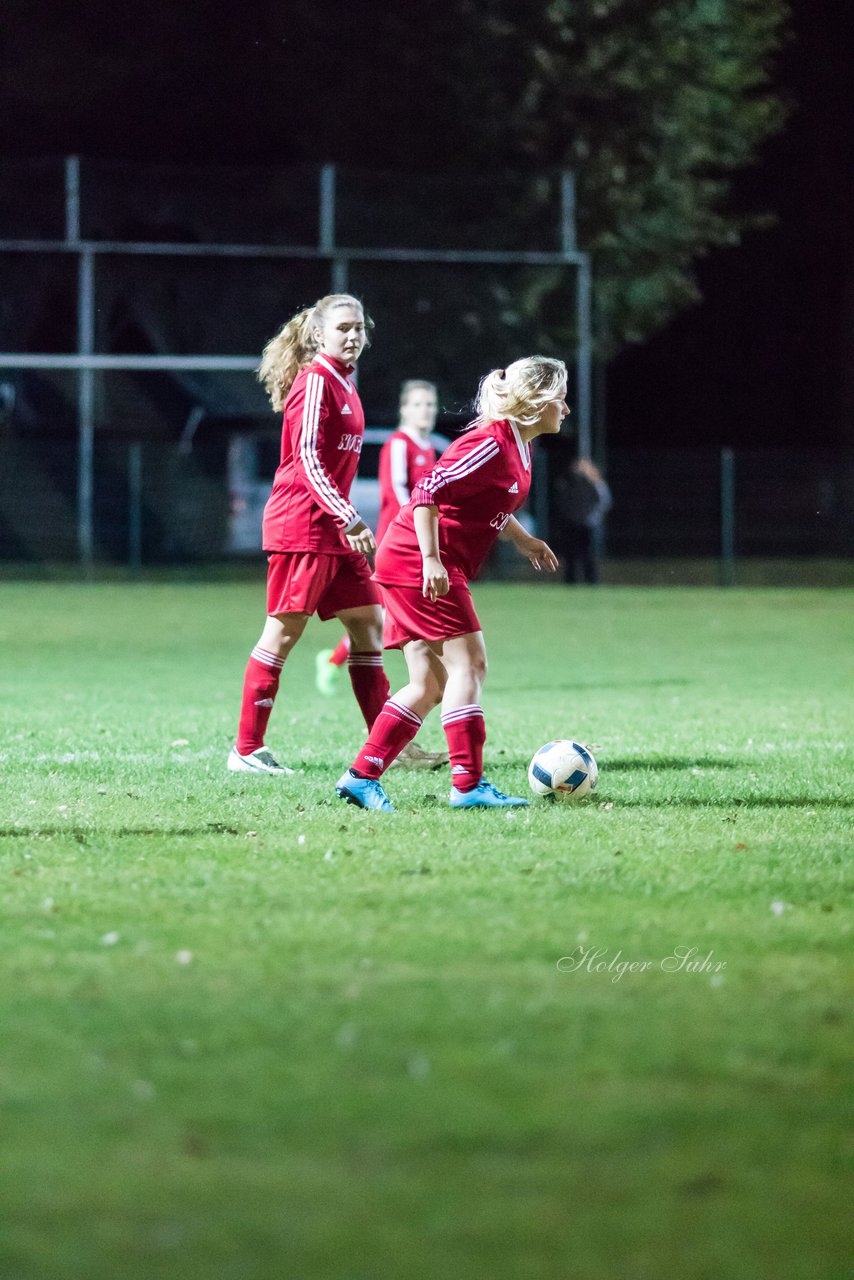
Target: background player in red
[(317, 541), (405, 458), (437, 543)]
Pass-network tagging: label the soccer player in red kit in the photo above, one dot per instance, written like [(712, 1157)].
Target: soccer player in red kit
[(405, 458), (437, 543), (317, 542)]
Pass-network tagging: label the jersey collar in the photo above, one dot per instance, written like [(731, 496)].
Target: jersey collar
[(337, 368), (521, 445)]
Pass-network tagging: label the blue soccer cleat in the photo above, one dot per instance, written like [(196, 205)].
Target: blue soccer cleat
[(484, 796), (364, 792)]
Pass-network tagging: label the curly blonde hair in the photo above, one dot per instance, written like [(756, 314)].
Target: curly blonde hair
[(519, 392), (295, 345)]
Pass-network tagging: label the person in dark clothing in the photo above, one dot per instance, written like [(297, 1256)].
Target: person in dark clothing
[(582, 500)]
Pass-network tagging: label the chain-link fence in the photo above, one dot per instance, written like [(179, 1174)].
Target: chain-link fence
[(139, 436), (159, 501)]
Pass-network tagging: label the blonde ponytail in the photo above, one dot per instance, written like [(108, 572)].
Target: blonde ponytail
[(295, 346), (519, 392)]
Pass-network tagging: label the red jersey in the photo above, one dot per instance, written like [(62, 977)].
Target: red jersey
[(404, 460), (482, 478), (309, 508)]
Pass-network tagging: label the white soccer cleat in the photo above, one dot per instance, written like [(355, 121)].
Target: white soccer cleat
[(259, 761), (414, 757)]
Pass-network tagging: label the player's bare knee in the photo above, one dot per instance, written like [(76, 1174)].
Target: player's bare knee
[(433, 690), (366, 634), (280, 634), (478, 667)]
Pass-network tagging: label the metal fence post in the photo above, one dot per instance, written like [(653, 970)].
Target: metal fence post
[(85, 410), (326, 229), (568, 242), (542, 512), (584, 371), (727, 518), (72, 199), (135, 507), (583, 316)]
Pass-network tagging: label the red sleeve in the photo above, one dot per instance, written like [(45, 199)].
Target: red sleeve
[(310, 409), (457, 472)]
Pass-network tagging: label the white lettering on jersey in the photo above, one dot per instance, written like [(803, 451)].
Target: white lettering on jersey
[(350, 444), (499, 521)]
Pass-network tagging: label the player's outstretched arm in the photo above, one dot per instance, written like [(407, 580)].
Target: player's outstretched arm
[(534, 549), (434, 579)]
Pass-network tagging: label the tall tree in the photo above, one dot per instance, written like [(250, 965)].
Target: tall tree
[(655, 104)]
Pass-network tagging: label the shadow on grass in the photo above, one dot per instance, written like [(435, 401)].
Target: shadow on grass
[(650, 764), (740, 803), (86, 833), (496, 686)]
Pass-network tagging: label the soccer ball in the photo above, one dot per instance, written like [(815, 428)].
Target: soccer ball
[(563, 770)]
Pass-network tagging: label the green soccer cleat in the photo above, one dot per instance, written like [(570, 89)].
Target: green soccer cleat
[(327, 677)]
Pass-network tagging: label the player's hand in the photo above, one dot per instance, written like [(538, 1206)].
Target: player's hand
[(540, 555), (434, 582), (361, 539)]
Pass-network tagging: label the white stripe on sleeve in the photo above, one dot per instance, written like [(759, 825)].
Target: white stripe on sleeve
[(442, 475), (398, 471), (328, 495)]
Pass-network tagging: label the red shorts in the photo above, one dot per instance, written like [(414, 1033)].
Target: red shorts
[(308, 582), (408, 616)]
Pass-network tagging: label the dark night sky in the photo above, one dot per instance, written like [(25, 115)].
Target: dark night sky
[(769, 355), (767, 358)]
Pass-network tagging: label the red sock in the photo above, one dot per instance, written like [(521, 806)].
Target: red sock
[(466, 733), (370, 683), (260, 686), (393, 728), (341, 652)]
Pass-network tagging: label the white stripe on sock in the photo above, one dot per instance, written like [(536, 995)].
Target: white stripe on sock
[(462, 713), (404, 712), (268, 659)]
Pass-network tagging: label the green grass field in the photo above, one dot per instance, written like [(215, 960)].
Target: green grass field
[(249, 1033)]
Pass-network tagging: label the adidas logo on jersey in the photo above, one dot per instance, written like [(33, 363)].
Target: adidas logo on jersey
[(514, 488), (346, 409)]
